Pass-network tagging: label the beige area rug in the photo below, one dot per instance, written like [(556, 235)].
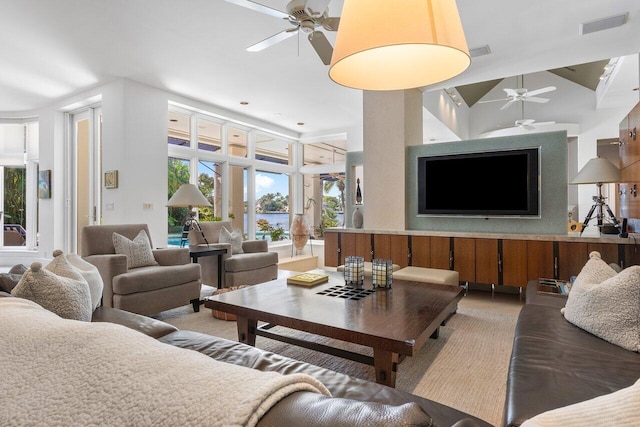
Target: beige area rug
[(466, 367)]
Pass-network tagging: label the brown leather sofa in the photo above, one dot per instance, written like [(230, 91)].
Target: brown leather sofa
[(554, 363), (353, 401)]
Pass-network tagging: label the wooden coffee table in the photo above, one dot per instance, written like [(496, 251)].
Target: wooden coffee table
[(395, 323)]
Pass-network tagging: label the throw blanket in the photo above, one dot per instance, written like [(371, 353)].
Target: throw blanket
[(60, 372)]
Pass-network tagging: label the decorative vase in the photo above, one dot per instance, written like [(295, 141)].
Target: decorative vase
[(358, 192), (356, 218), (299, 231)]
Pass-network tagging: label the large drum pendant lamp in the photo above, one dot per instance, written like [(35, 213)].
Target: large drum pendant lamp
[(393, 45)]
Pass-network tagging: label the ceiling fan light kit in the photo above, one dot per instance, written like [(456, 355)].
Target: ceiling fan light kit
[(381, 46)]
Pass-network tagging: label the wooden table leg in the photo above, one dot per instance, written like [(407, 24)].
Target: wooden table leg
[(386, 365), (247, 330)]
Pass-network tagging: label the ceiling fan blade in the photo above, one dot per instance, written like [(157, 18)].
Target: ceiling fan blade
[(322, 46), (493, 100), (331, 24), (539, 91), (260, 8), (508, 104), (510, 92), (534, 99), (315, 8), (270, 41), (528, 122)]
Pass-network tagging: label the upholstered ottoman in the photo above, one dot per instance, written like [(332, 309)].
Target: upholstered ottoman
[(221, 314), (428, 275)]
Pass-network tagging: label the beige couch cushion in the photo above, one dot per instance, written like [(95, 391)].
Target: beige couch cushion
[(211, 231), (428, 275), (250, 261)]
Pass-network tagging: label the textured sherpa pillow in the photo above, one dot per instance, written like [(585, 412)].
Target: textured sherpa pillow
[(234, 238), (608, 309), (138, 250), (620, 408), (595, 270), (68, 298)]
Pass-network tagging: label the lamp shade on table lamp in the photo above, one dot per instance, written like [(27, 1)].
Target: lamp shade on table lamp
[(391, 45), (597, 170), (188, 195)]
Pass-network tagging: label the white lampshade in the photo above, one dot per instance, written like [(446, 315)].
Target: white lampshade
[(596, 171), (390, 45), (188, 195)]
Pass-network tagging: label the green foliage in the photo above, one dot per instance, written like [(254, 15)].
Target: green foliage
[(271, 202), (14, 196), (178, 175), (275, 231), (206, 184)]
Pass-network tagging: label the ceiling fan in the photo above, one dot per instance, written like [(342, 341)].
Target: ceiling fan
[(522, 94), (528, 124), (308, 16)]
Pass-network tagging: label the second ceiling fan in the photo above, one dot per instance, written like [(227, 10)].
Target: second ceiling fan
[(308, 16), (522, 94)]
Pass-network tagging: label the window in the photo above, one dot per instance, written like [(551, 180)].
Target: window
[(18, 144), (272, 149), (209, 135), (179, 129), (325, 153), (272, 205), (178, 175), (237, 140), (210, 184)]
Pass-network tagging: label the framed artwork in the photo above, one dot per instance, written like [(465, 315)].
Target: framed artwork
[(44, 184), (111, 179)]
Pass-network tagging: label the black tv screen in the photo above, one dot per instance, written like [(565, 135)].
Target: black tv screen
[(488, 184)]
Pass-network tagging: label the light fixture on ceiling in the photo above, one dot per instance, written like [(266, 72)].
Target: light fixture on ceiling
[(244, 103), (453, 96), (382, 46)]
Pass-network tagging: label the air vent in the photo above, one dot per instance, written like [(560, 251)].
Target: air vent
[(479, 51), (603, 24)]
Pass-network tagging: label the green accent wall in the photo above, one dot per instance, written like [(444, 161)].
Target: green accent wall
[(553, 173)]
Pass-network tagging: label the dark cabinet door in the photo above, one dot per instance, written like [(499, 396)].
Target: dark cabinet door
[(514, 263), (464, 258), (571, 258), (541, 262), (421, 251), (441, 255), (399, 250), (487, 261), (331, 253)]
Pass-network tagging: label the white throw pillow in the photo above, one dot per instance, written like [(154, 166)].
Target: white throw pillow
[(234, 238), (138, 250), (91, 275), (595, 270), (610, 309), (620, 408), (68, 297)]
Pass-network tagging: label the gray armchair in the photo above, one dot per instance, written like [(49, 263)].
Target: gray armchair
[(174, 282), (255, 265)]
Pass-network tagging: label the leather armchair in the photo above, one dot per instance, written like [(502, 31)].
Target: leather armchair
[(174, 282), (255, 265)]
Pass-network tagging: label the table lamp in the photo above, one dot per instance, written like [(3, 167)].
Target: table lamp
[(188, 195), (598, 171)]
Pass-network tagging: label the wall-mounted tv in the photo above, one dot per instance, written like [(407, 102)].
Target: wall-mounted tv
[(484, 184)]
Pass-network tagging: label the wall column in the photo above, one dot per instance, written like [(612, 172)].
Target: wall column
[(392, 120)]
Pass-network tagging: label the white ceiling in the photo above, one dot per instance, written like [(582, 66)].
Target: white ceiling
[(53, 49)]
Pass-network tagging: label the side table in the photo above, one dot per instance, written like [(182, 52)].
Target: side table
[(199, 251), (540, 294)]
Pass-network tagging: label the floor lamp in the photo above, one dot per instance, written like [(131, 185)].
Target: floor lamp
[(599, 171), (188, 195)]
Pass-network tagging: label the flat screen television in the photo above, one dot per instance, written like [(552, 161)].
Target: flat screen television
[(485, 184)]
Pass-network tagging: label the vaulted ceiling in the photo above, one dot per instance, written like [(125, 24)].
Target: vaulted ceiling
[(51, 50)]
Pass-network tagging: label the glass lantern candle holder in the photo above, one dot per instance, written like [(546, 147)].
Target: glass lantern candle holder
[(354, 270), (382, 273)]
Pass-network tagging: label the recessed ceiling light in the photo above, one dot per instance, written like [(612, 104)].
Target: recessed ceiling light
[(636, 88), (173, 120), (235, 135), (300, 123), (244, 103)]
